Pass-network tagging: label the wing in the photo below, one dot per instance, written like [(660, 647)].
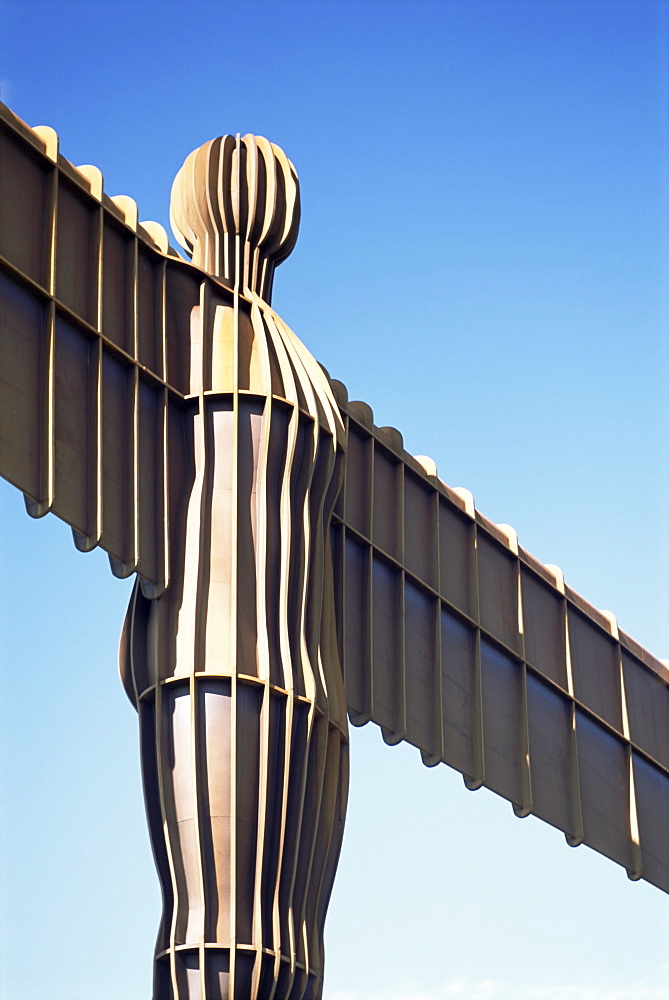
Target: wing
[(92, 367), (456, 640)]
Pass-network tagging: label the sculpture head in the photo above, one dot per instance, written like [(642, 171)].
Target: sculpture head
[(235, 207)]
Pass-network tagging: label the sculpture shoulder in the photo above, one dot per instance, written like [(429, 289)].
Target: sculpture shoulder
[(302, 379)]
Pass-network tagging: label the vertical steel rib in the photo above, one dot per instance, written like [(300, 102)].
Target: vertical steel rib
[(97, 377), (48, 402), (476, 780), (437, 753), (575, 838), (634, 872)]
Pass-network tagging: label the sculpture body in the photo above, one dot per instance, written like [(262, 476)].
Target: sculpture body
[(234, 669)]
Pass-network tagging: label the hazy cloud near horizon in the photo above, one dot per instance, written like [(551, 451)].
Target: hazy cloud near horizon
[(648, 988)]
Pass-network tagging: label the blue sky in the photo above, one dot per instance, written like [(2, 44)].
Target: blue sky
[(483, 259)]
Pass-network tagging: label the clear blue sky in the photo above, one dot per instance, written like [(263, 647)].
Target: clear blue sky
[(484, 259)]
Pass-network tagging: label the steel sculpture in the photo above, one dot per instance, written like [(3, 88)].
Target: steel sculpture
[(234, 668), (294, 565)]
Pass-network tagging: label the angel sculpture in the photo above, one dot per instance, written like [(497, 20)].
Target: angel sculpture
[(295, 567)]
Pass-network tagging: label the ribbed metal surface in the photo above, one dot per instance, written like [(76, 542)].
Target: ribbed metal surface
[(172, 418), (235, 668), (458, 641), (90, 419)]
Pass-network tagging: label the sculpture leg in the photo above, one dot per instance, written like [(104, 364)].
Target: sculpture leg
[(245, 788), (251, 797)]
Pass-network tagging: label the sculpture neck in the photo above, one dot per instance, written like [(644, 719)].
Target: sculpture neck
[(240, 265)]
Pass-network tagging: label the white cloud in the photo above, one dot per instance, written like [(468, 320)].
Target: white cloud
[(647, 988)]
